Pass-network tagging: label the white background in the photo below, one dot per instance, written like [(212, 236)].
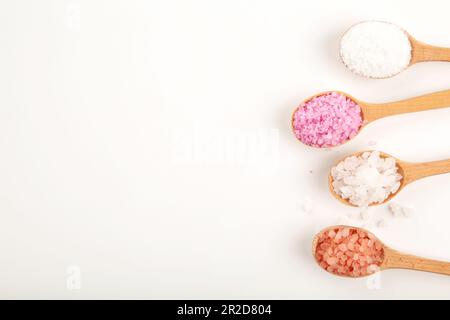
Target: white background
[(146, 148)]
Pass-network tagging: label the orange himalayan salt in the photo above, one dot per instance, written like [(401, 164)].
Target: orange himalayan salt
[(348, 251)]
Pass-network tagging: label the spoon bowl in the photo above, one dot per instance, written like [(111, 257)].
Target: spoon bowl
[(391, 259), (317, 237), (409, 171), (319, 95), (418, 51), (400, 170)]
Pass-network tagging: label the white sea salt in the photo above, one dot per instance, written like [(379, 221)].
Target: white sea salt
[(408, 211), (395, 209), (382, 223), (401, 211), (376, 49), (366, 179), (365, 214), (307, 205)]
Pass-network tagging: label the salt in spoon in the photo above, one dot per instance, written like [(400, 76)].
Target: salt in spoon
[(409, 171), (374, 111), (410, 49), (383, 256)]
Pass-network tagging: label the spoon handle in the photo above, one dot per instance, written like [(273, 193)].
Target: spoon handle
[(397, 260), (431, 101), (424, 52), (416, 171)]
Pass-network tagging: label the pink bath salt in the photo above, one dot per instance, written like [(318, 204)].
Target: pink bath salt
[(327, 120), (356, 253)]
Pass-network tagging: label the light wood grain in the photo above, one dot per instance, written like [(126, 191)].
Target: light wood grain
[(437, 100), (408, 170), (397, 260), (416, 171), (422, 52)]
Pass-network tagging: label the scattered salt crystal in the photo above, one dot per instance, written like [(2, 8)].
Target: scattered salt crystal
[(307, 205), (408, 211), (376, 49), (401, 211), (327, 120), (395, 209), (382, 223), (365, 214), (366, 179)]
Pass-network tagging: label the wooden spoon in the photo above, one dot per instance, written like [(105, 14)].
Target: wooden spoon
[(408, 170), (374, 111), (420, 51), (394, 259)]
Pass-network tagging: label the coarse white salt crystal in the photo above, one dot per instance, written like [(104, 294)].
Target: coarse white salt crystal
[(395, 209), (408, 211), (401, 211), (366, 179), (376, 49), (365, 214), (382, 223), (307, 205)]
